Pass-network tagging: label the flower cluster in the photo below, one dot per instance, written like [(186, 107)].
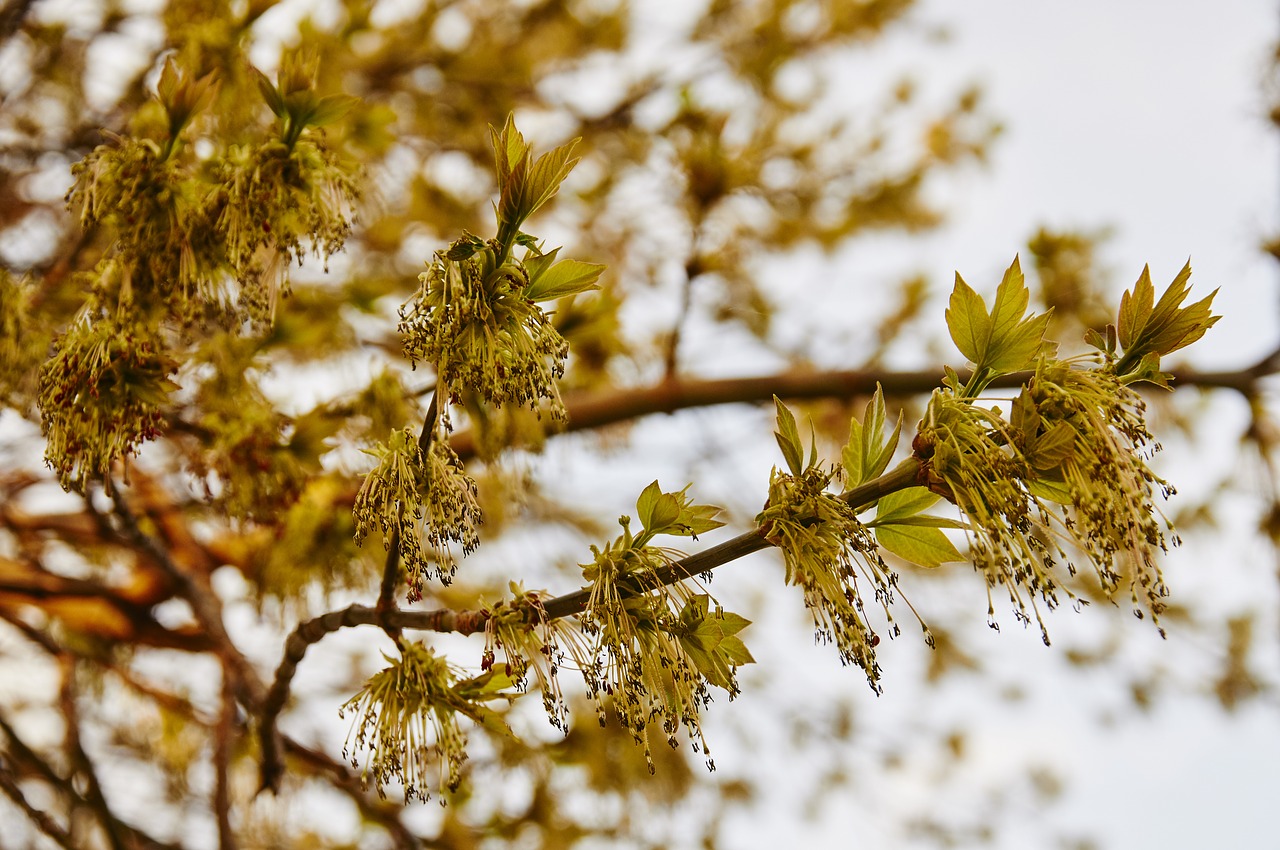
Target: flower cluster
[(476, 325), (656, 646), (529, 640), (972, 465), (273, 198), (824, 547), (1065, 473), (101, 395), (1117, 525), (476, 317), (639, 662), (421, 502), (406, 718), (23, 343), (219, 232)]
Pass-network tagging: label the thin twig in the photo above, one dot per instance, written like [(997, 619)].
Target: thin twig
[(222, 737), (203, 602), (590, 410), (41, 819), (79, 759)]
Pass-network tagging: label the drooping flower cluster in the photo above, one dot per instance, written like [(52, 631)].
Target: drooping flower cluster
[(273, 199), (479, 329), (1065, 474), (103, 394), (529, 640), (824, 547), (218, 234), (656, 646), (1117, 526), (972, 466), (638, 661), (420, 502), (406, 725)]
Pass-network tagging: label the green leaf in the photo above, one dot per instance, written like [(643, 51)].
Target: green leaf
[(490, 720), (927, 547), (1011, 302), (647, 502), (269, 92), (1161, 328), (788, 437), (1051, 448), (710, 641), (867, 454), (1025, 417), (903, 503), (329, 109), (1135, 309), (509, 149), (464, 247), (1050, 491), (968, 322), (547, 174), (1018, 348), (567, 277), (674, 514), (924, 521)]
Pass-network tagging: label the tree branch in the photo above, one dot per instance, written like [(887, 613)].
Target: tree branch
[(907, 474), (590, 410)]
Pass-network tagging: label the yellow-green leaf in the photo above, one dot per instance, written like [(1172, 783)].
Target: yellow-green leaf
[(927, 547), (968, 322)]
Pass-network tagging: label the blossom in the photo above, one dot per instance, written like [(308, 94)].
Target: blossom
[(406, 724), (422, 502)]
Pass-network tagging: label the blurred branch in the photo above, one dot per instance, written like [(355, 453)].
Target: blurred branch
[(41, 819), (78, 759), (222, 738), (18, 754), (587, 411)]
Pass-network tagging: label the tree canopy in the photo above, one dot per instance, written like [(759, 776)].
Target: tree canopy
[(327, 307)]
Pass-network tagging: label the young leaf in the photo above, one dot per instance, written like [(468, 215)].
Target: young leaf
[(567, 277), (1015, 340), (711, 643), (927, 547), (1011, 302), (1050, 449), (509, 149), (1135, 309), (867, 454), (788, 437), (903, 503), (645, 504), (968, 322), (1146, 329), (547, 174)]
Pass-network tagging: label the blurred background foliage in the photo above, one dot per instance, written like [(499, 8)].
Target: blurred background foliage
[(714, 149)]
